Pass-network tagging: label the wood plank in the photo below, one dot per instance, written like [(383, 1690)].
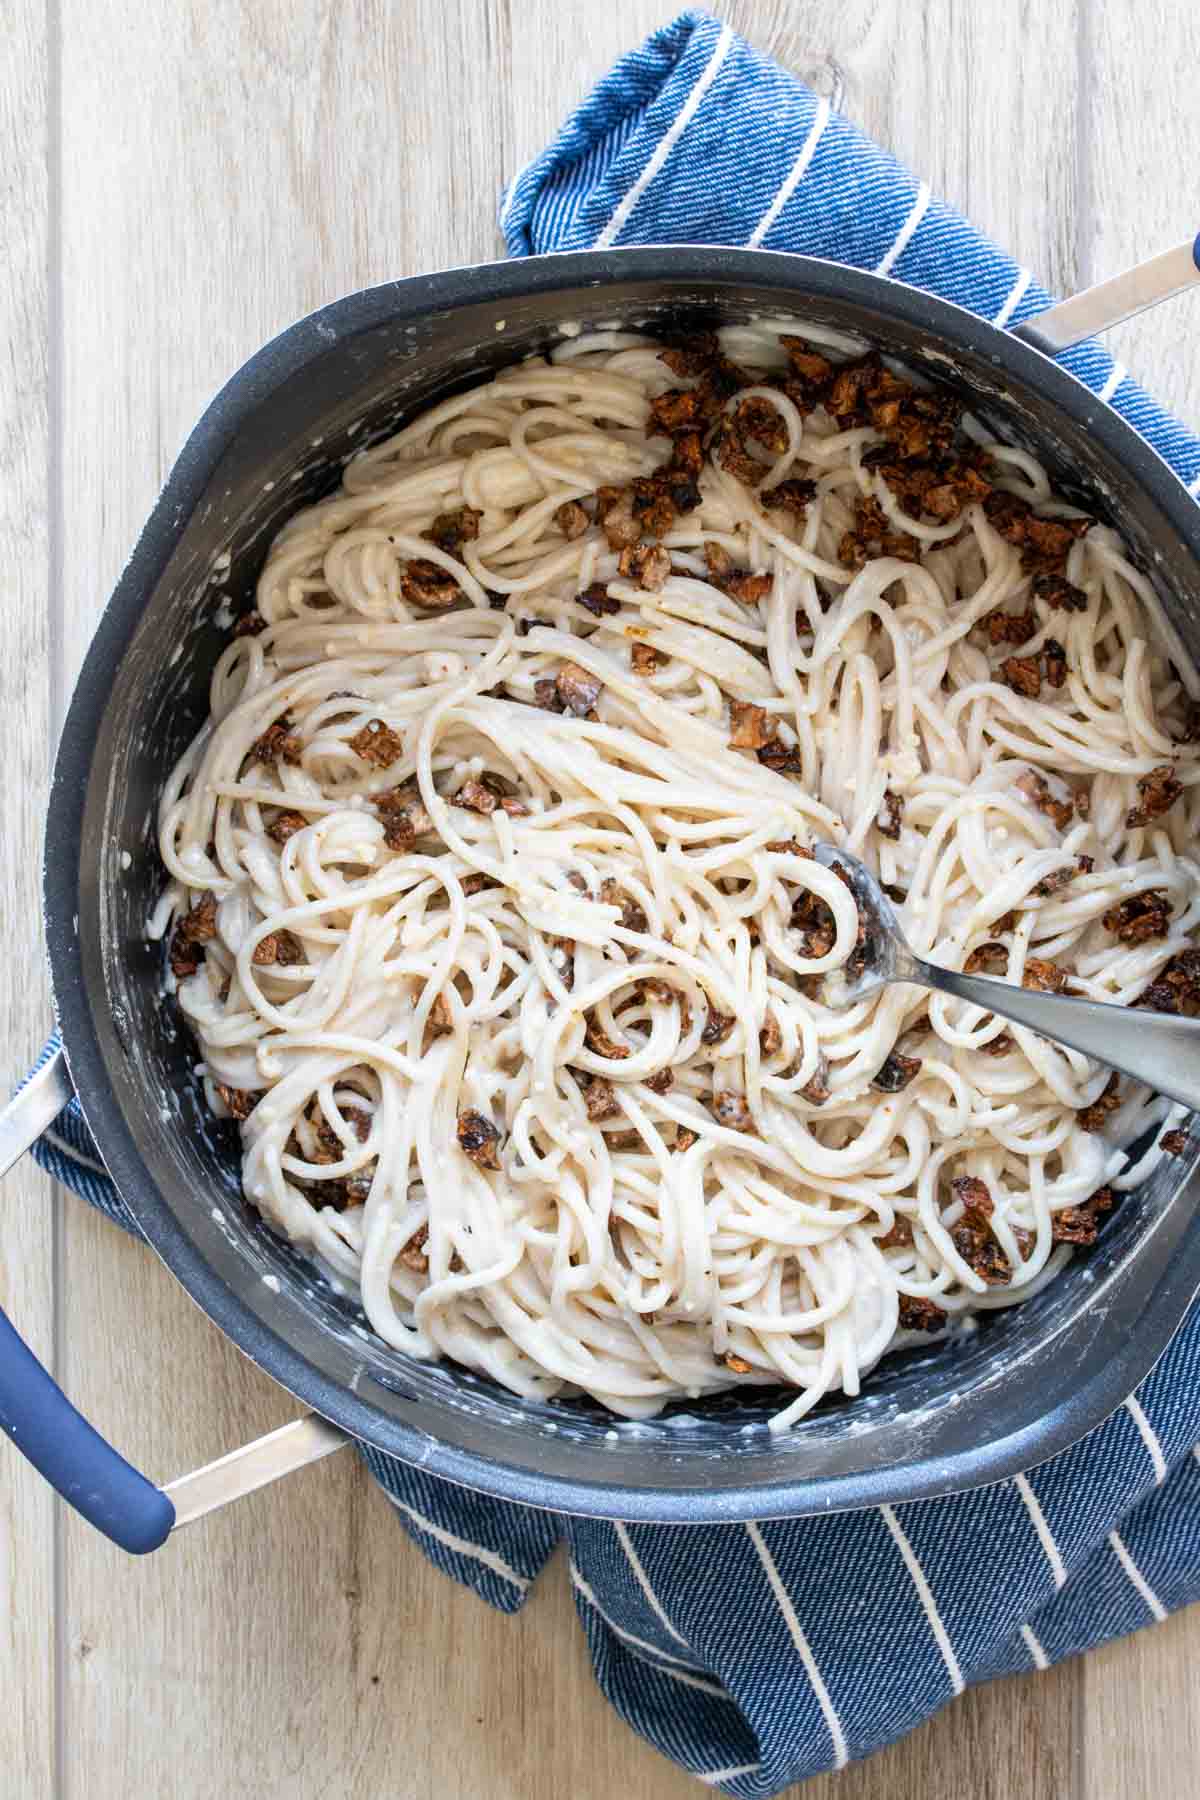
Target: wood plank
[(1139, 188), (262, 160), (1141, 1700), (27, 1587)]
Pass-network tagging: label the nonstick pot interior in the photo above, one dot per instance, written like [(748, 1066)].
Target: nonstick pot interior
[(1026, 1383)]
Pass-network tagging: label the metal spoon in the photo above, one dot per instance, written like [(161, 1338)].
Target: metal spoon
[(1160, 1049)]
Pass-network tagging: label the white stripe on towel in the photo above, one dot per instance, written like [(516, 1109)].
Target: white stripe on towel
[(802, 1645), (85, 1162), (1149, 1437), (1045, 1535), (666, 144), (793, 177), (1040, 1659), (1015, 297), (919, 209), (643, 1581), (461, 1546), (1138, 1579), (714, 1777), (1119, 372), (925, 1595), (679, 1669)]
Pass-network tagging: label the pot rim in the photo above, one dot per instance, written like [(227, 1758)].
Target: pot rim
[(64, 876)]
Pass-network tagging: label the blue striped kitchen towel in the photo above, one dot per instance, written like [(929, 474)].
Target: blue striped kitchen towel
[(758, 1655)]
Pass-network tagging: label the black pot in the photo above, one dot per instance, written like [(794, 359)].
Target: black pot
[(1031, 1380)]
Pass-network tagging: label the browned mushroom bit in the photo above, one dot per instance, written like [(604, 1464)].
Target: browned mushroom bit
[(1108, 1101), (1056, 590), (987, 959), (1176, 988), (479, 1139), (280, 948), (1140, 918), (1175, 1143), (196, 929), (647, 660), (595, 599), (717, 1027), (684, 1138), (571, 519), (1157, 793), (404, 816), (785, 759), (285, 825), (1054, 663), (816, 1089), (789, 496), (646, 564), (599, 1042), (1044, 976), (440, 1020), (1036, 789), (729, 448), (749, 728), (614, 513), (1081, 1224), (1023, 674), (633, 918), (278, 743), (1011, 628), (1043, 543), (738, 583), (872, 535), (427, 584), (239, 1102), (413, 1254), (896, 1073), (730, 1109), (451, 530), (813, 918), (377, 744), (891, 814), (770, 1037), (737, 1364), (897, 1236), (1058, 879), (249, 625), (600, 1098), (920, 1315), (476, 797), (660, 1083), (578, 690), (972, 1236)]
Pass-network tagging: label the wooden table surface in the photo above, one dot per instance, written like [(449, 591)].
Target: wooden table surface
[(177, 182)]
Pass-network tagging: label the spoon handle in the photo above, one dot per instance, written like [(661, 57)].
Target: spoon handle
[(1160, 1049), (1083, 315)]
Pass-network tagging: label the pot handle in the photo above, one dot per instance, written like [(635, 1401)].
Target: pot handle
[(74, 1458), (1083, 315), (34, 1412)]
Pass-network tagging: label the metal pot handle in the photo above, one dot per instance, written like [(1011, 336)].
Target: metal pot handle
[(1109, 302), (39, 1419)]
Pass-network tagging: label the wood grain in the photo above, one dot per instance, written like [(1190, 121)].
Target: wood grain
[(216, 169), (27, 1534)]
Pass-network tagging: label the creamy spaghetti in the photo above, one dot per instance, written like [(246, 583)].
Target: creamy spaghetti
[(493, 913)]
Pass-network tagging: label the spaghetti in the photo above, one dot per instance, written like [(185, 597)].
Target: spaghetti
[(493, 912)]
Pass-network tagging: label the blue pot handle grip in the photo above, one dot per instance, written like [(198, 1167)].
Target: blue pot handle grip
[(35, 1413)]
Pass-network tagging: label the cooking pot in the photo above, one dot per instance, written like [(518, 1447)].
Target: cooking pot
[(976, 1408)]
